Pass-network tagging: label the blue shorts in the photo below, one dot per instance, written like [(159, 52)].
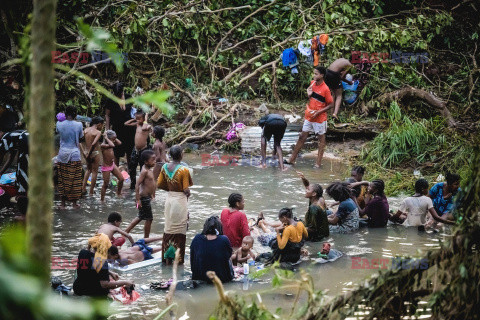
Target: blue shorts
[(146, 250)]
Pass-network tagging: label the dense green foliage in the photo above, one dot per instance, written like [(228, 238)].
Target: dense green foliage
[(426, 145)]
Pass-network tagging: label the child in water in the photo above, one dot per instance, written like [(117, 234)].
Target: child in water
[(144, 193), (160, 149), (112, 227), (110, 141), (244, 252)]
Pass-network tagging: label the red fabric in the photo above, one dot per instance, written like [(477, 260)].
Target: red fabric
[(118, 242), (314, 104), (235, 226)]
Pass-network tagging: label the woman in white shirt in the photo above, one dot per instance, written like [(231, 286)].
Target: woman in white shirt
[(413, 210)]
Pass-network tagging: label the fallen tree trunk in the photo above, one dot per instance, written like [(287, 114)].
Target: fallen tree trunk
[(413, 93)]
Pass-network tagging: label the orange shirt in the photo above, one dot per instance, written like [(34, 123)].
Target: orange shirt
[(292, 233), (320, 98)]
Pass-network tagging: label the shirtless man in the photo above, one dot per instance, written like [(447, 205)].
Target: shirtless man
[(144, 193), (91, 151), (141, 144), (333, 78), (109, 165), (160, 149), (139, 251), (112, 227)]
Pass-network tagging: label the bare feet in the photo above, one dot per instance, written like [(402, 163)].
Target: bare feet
[(61, 207), (260, 217), (316, 166), (76, 205), (262, 166)]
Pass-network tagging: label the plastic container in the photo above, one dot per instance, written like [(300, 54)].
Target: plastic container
[(246, 268)]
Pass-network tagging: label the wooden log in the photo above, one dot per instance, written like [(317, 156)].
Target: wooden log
[(414, 93)]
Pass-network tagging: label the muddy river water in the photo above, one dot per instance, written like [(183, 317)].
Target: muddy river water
[(266, 190)]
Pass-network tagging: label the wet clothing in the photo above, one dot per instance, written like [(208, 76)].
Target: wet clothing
[(126, 134), (416, 209), (440, 204), (145, 211), (348, 218), (377, 212), (70, 134), (88, 280), (320, 98), (146, 250), (176, 206), (291, 233), (316, 222), (178, 240), (108, 168), (176, 213), (69, 160), (18, 141), (135, 161), (177, 180), (273, 124), (211, 255), (235, 226), (118, 242), (265, 239), (70, 180), (291, 252), (333, 79)]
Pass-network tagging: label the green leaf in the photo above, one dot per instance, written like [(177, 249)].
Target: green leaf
[(463, 271), (276, 281), (98, 39), (258, 64), (158, 99)]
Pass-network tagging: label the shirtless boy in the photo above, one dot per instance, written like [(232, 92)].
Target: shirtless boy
[(92, 151), (140, 251), (142, 133), (160, 149), (144, 193), (112, 227), (109, 165), (244, 252), (333, 78)]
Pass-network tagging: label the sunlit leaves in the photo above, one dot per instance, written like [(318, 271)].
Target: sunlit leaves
[(100, 39)]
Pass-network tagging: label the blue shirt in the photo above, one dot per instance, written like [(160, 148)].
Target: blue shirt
[(211, 255), (440, 204), (70, 134), (345, 209)]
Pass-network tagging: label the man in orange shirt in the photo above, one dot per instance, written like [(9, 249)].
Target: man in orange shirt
[(315, 115)]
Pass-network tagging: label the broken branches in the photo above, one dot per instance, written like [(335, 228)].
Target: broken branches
[(235, 27), (411, 92)]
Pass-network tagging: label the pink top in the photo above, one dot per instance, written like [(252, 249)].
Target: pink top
[(235, 226)]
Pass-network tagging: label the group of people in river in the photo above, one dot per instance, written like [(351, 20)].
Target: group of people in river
[(226, 240)]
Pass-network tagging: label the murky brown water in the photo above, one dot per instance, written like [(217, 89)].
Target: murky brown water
[(264, 190)]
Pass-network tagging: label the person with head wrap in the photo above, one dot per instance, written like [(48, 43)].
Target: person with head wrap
[(93, 276)]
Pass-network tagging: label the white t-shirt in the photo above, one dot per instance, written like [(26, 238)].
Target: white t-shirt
[(416, 209)]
